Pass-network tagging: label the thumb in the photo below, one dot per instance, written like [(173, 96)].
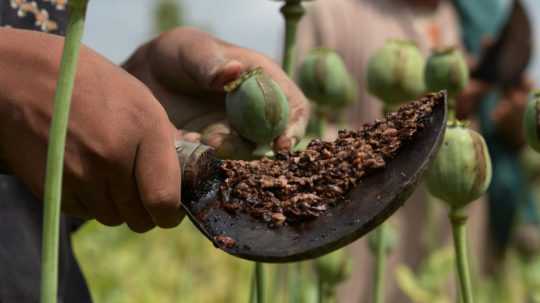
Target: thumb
[(227, 144), (226, 74), (191, 61), (157, 174)]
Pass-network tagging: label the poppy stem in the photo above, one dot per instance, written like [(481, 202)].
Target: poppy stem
[(380, 264), (259, 277), (458, 219), (293, 11), (55, 154)]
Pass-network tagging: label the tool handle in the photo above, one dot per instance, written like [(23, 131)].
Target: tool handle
[(194, 161)]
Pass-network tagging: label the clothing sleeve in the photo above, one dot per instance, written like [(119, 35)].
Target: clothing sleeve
[(480, 19)]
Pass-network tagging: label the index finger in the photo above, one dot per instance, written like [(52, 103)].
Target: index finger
[(157, 172)]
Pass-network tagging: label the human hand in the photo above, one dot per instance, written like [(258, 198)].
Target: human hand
[(187, 70), (508, 115), (120, 161), (468, 100)]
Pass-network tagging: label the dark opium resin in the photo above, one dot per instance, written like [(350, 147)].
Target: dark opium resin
[(300, 186)]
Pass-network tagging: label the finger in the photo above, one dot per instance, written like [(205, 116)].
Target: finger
[(71, 203), (100, 204), (187, 136), (284, 143), (214, 134), (191, 60), (527, 83), (296, 128), (192, 137), (124, 193), (226, 73), (157, 173), (196, 59), (227, 144), (72, 206)]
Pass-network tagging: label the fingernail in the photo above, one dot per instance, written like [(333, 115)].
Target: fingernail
[(229, 72), (192, 137), (283, 143)]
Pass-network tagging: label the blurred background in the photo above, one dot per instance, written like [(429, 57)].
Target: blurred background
[(179, 265), (254, 24)]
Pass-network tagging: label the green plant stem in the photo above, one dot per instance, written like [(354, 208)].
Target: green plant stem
[(276, 286), (380, 265), (458, 219), (294, 287), (293, 10), (299, 282), (324, 292), (253, 288), (451, 109), (430, 233), (55, 154), (320, 289), (317, 124), (259, 277)]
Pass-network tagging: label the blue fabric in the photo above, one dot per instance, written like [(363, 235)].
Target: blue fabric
[(480, 19), (509, 195)]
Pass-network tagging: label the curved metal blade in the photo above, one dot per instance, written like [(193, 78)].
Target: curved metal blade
[(375, 199)]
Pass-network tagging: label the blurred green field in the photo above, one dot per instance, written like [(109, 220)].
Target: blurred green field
[(165, 266), (179, 265)]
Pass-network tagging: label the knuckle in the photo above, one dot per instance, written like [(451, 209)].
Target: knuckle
[(182, 33), (109, 220), (141, 226), (155, 120), (173, 220), (161, 200)]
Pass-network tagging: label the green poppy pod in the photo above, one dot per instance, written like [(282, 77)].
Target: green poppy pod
[(257, 107), (446, 69), (531, 125), (395, 73), (325, 80), (334, 268), (461, 171)]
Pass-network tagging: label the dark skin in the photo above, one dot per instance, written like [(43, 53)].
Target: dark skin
[(431, 4), (508, 114), (193, 95), (120, 161)]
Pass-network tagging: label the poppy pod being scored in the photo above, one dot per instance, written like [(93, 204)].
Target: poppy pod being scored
[(257, 108), (461, 172), (395, 73), (324, 79), (531, 121), (446, 69)]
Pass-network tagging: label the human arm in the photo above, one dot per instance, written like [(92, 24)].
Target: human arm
[(120, 163)]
